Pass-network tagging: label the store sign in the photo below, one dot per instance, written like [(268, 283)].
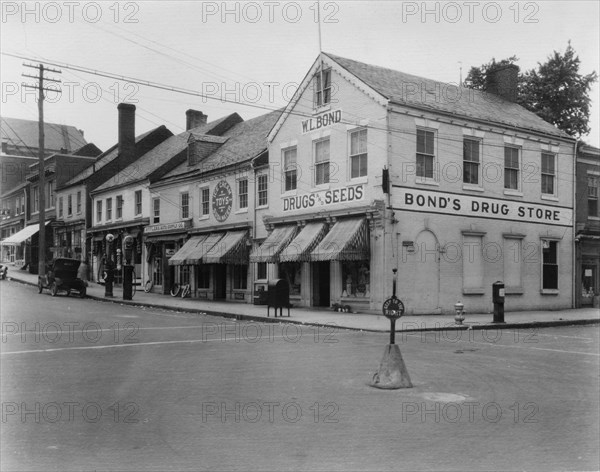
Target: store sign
[(167, 227), (321, 121), (222, 200), (324, 198), (425, 201)]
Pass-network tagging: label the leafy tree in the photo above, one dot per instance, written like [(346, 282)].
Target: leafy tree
[(555, 90)]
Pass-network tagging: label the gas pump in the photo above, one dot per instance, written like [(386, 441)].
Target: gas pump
[(128, 267)]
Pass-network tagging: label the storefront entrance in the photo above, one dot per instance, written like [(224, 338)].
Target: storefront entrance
[(220, 281), (589, 283), (320, 279)]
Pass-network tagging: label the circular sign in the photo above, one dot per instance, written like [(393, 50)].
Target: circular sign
[(222, 200), (393, 308)]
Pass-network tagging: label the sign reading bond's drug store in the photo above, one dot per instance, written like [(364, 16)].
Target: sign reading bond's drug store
[(425, 201)]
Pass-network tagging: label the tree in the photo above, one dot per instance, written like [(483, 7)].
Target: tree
[(555, 91)]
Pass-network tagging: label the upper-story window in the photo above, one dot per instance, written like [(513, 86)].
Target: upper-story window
[(322, 88), (263, 189), (69, 204), (138, 202), (548, 173), (50, 194), (289, 168), (358, 153), (511, 168), (204, 201), (425, 153), (156, 210), (60, 207), (471, 161), (119, 207), (592, 195), (243, 193), (79, 202), (185, 205), (109, 209), (99, 211), (321, 151), (36, 199)]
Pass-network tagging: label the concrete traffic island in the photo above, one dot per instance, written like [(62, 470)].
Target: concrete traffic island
[(392, 373)]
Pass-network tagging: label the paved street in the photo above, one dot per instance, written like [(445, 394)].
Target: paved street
[(89, 385)]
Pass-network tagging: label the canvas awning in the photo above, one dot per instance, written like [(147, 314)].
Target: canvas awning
[(232, 249), (275, 243), (348, 240), (22, 235), (301, 246), (194, 249)]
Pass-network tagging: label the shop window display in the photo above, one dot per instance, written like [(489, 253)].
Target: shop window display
[(292, 272), (356, 279)]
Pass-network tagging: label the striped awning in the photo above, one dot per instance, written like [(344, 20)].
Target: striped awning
[(22, 235), (348, 240), (301, 246), (275, 243), (232, 249), (194, 249)]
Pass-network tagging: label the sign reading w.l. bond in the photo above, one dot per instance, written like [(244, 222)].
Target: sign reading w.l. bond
[(426, 201), (324, 198), (321, 121)]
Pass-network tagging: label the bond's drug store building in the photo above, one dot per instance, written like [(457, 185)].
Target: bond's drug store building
[(456, 189)]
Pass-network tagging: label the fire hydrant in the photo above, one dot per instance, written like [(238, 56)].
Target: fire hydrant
[(459, 316)]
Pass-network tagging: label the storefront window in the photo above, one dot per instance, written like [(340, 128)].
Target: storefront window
[(292, 272), (157, 278), (184, 275), (261, 270), (203, 276), (356, 281), (240, 277)]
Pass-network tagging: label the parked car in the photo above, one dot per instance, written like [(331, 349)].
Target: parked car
[(3, 271), (61, 275)]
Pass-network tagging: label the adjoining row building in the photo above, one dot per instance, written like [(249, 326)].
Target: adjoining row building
[(367, 170)]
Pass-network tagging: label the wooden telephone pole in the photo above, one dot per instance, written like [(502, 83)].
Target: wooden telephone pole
[(41, 168)]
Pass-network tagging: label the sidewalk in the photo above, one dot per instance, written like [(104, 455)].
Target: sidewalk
[(325, 317)]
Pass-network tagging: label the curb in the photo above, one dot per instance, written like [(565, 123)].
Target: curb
[(239, 317)]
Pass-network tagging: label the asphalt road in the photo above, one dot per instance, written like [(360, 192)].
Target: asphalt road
[(90, 385)]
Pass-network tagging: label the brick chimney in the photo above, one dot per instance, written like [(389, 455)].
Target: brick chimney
[(126, 129), (503, 82), (194, 118)]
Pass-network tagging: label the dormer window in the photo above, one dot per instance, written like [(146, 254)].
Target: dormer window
[(322, 88)]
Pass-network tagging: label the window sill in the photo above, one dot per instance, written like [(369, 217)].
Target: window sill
[(138, 216), (289, 193), (513, 193), (359, 180), (421, 181), (319, 187), (473, 291), (243, 210), (594, 218), (549, 291), (262, 207), (473, 188), (203, 217), (550, 198), (321, 109)]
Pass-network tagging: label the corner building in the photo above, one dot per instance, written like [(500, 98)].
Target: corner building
[(376, 170)]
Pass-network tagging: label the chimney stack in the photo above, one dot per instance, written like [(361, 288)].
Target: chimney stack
[(503, 82), (194, 118), (126, 129)]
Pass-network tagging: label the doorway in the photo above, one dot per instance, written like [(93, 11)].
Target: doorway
[(220, 271), (320, 281)]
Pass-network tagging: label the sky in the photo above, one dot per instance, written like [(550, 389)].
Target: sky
[(248, 57)]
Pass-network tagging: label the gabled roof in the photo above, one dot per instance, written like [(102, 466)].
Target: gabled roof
[(411, 90), (153, 162), (245, 141), (23, 134)]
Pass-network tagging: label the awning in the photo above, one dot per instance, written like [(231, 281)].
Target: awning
[(22, 235), (347, 241), (303, 244), (275, 243), (193, 250), (232, 249)]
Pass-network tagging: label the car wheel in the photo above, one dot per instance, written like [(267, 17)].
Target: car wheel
[(40, 286), (54, 289), (68, 292), (82, 292)]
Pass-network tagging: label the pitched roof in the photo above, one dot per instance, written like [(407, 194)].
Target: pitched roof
[(411, 90), (245, 141), (23, 135), (150, 162)]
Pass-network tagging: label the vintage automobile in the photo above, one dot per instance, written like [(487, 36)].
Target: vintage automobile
[(3, 271), (61, 275)]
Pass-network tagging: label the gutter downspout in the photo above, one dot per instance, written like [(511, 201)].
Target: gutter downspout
[(574, 228)]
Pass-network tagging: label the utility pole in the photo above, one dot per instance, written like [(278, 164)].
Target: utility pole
[(41, 168)]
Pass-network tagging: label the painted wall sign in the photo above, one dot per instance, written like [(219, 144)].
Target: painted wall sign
[(324, 198), (321, 121), (222, 200), (425, 201), (167, 227)]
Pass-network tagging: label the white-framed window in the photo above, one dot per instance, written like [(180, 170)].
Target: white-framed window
[(263, 189), (358, 153), (204, 201), (79, 202), (138, 202), (119, 207), (513, 263), (240, 277), (425, 153), (50, 194), (289, 169), (109, 209), (17, 205), (36, 199), (184, 202), (592, 195), (156, 210), (242, 193), (60, 207), (23, 204), (471, 161), (321, 159), (549, 265), (261, 271), (473, 263), (548, 173), (69, 205), (322, 88), (512, 180), (99, 211)]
